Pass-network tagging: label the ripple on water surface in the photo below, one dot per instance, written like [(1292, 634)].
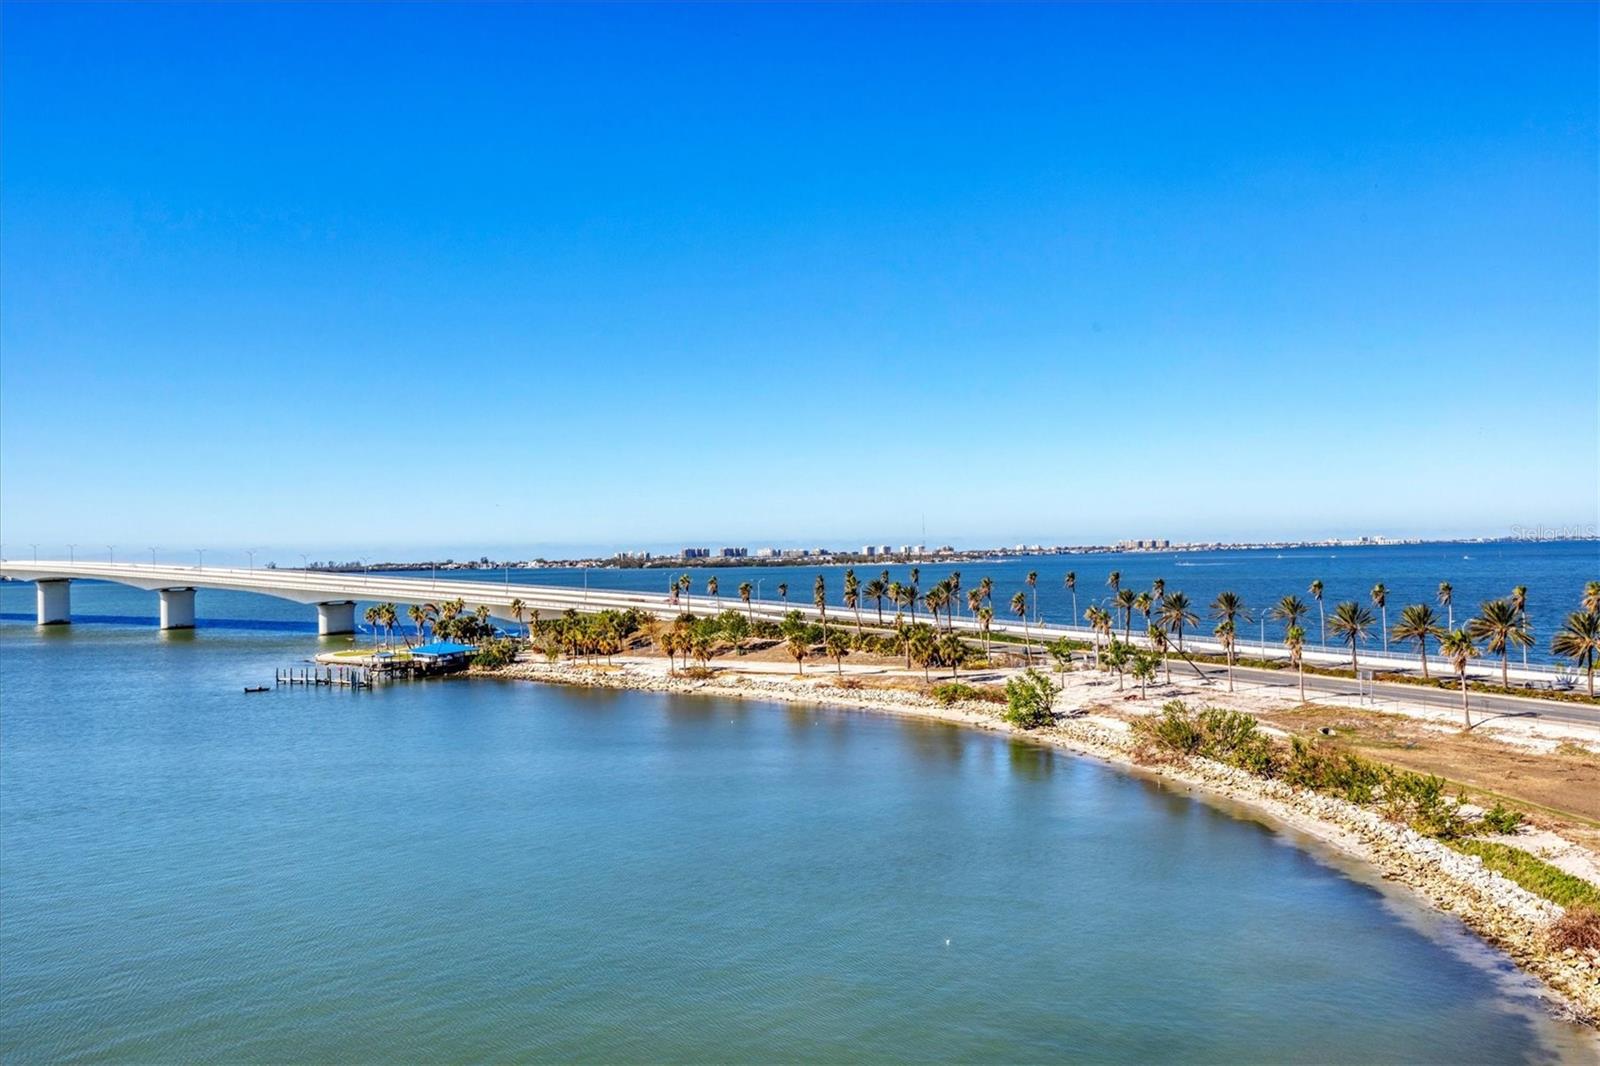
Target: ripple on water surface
[(473, 870)]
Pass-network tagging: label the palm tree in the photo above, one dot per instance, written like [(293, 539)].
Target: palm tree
[(783, 592), (1144, 604), (953, 583), (1288, 610), (1294, 638), (974, 601), (875, 590), (518, 610), (1125, 601), (909, 593), (1519, 600), (1158, 588), (1174, 613), (1351, 624), (1579, 640), (745, 589), (1158, 641), (837, 646), (1380, 600), (1019, 607), (1418, 623), (1229, 608), (1071, 581), (1457, 646), (986, 586), (371, 616), (711, 590), (1322, 620), (683, 588), (1224, 632), (1114, 581), (933, 600), (1591, 597), (799, 647), (952, 651), (985, 617), (1447, 597), (1100, 621), (1033, 586), (819, 597), (922, 646), (388, 616), (419, 615), (1499, 627), (852, 595)]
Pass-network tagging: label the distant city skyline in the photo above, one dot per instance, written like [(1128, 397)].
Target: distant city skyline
[(391, 278), (224, 554)]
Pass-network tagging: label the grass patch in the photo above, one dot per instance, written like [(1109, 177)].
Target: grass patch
[(1532, 873)]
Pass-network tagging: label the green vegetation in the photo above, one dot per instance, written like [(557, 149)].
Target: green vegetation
[(1533, 873), (1030, 700), (1225, 736), (495, 653), (948, 692)]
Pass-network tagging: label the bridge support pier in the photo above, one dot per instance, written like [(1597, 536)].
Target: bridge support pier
[(336, 617), (177, 608), (54, 601)]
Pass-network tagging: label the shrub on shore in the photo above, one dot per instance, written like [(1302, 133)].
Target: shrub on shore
[(947, 692), (1576, 930), (1030, 700), (496, 653), (1417, 800)]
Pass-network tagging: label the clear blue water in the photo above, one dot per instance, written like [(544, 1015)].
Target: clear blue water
[(470, 870)]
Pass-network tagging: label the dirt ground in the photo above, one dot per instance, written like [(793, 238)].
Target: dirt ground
[(1562, 786)]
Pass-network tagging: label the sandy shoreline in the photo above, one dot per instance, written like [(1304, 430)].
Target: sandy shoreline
[(1499, 911)]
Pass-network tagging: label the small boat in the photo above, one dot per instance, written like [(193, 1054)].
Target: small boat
[(255, 688)]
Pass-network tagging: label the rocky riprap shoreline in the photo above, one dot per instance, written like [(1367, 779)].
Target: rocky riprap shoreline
[(1500, 911)]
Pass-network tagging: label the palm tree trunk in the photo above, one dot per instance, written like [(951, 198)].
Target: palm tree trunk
[(1027, 643), (1466, 713), (1505, 674), (1302, 682), (1424, 655)]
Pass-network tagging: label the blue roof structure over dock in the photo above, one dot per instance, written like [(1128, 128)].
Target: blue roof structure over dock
[(443, 648)]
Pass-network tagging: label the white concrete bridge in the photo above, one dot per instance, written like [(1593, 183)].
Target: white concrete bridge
[(335, 594)]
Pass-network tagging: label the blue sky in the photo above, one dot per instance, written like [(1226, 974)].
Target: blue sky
[(350, 278)]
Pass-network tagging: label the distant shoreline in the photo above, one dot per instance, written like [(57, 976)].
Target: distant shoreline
[(822, 557)]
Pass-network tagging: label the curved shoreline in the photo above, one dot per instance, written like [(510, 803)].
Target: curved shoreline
[(1499, 911)]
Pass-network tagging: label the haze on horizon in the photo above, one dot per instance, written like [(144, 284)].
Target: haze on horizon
[(417, 280)]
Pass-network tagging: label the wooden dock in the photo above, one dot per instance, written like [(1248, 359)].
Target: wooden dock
[(352, 677)]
